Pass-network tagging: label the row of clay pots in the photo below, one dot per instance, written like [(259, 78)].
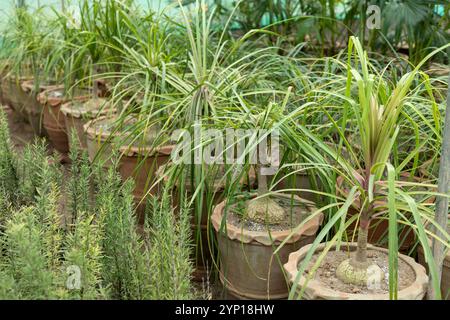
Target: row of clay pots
[(54, 119), (248, 268)]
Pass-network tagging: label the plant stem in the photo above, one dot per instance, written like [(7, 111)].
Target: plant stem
[(262, 181), (361, 251)]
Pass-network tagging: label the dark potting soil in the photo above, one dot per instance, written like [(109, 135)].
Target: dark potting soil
[(293, 216), (326, 273)]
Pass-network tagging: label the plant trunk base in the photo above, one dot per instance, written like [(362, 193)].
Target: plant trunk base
[(362, 274), (265, 210)]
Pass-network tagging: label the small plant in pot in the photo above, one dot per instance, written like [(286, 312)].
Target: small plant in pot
[(250, 227), (335, 270)]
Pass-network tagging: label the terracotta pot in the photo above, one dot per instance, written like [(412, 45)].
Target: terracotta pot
[(3, 74), (204, 250), (141, 164), (248, 268), (32, 107), (99, 140), (53, 119), (79, 113), (14, 96), (316, 290), (445, 280)]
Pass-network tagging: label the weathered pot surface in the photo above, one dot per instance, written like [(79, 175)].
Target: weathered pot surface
[(53, 119), (316, 290), (78, 113), (13, 95), (32, 107), (248, 268)]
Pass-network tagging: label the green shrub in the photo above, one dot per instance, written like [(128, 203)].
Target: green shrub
[(170, 250), (8, 162)]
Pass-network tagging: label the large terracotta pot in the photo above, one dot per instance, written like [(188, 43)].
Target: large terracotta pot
[(79, 113), (141, 164), (200, 226), (316, 290), (248, 267), (53, 119), (32, 107), (445, 280)]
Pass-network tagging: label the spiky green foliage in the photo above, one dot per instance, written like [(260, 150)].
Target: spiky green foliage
[(47, 206), (124, 266), (170, 251), (5, 208), (84, 254), (24, 268), (30, 170), (79, 182), (8, 162)]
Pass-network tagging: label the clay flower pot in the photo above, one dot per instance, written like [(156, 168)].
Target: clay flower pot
[(141, 163), (79, 113), (98, 134), (215, 186), (248, 268), (32, 107), (445, 280), (317, 290), (13, 94), (53, 119)]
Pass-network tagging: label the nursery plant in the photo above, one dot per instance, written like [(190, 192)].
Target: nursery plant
[(371, 181), (360, 130)]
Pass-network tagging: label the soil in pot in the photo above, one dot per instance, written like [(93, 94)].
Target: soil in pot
[(78, 113), (214, 187), (324, 284), (248, 267), (53, 119)]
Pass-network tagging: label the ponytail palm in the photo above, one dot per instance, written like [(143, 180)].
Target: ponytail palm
[(376, 111)]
